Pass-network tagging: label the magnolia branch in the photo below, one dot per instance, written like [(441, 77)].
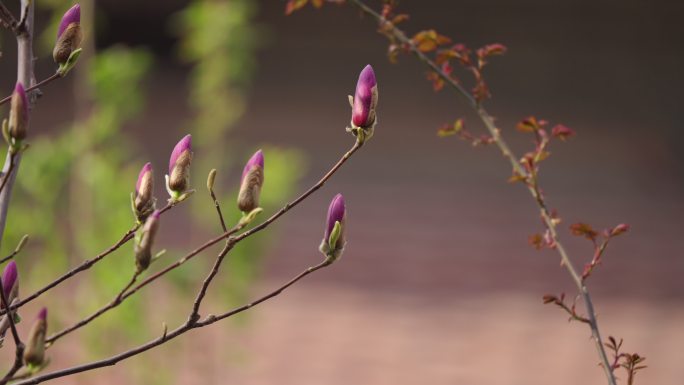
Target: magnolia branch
[(41, 83), (194, 321), (86, 264), (495, 133)]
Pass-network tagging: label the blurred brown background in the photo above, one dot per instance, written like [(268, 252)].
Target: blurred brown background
[(438, 284)]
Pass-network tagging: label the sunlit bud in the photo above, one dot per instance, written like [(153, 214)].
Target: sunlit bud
[(34, 354), (334, 237), (10, 281), (19, 113), (144, 188), (365, 99), (179, 166), (69, 35), (143, 248), (250, 185)]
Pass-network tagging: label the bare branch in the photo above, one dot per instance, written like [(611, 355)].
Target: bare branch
[(495, 133)]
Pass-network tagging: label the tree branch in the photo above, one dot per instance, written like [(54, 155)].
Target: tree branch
[(43, 82), (495, 133), (86, 264), (193, 322)]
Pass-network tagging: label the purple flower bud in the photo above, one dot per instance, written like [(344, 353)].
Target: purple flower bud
[(19, 113), (336, 213), (35, 346), (69, 35), (179, 165), (143, 249), (365, 99), (144, 188), (10, 281), (42, 314), (252, 180)]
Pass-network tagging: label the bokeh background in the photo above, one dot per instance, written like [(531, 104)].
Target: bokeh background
[(438, 283)]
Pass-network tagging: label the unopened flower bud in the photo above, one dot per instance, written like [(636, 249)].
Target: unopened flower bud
[(179, 166), (143, 248), (334, 237), (10, 282), (365, 99), (34, 355), (250, 185), (19, 113), (69, 35), (144, 188)]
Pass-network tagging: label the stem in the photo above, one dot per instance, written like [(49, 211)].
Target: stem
[(25, 76), (85, 265), (41, 83), (488, 122), (114, 303), (19, 346), (193, 322), (113, 360)]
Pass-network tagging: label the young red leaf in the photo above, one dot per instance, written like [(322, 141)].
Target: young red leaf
[(293, 5), (562, 132), (583, 230)]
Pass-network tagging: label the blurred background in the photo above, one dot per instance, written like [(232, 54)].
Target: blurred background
[(438, 283)]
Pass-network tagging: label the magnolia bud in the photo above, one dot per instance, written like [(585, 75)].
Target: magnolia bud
[(35, 347), (365, 99), (19, 113), (179, 166), (10, 282), (334, 237), (144, 188), (69, 35), (143, 248), (250, 185)]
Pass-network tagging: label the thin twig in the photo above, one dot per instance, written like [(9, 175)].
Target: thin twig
[(7, 18), (114, 303), (6, 176), (25, 76), (488, 122), (43, 82), (194, 314), (19, 346), (169, 336), (195, 323), (85, 265)]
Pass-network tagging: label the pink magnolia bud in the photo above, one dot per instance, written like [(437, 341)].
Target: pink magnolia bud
[(143, 249), (144, 188), (34, 355), (365, 99), (179, 165), (69, 35), (252, 180), (336, 214), (19, 113), (10, 281)]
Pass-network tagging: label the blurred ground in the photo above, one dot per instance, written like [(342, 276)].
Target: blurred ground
[(438, 284)]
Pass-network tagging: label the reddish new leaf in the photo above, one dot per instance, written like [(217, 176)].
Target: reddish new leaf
[(562, 132), (583, 230)]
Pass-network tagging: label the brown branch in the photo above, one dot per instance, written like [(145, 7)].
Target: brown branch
[(7, 18), (495, 133), (6, 175), (194, 314), (43, 82), (193, 321), (85, 265), (169, 336), (114, 303), (19, 346)]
